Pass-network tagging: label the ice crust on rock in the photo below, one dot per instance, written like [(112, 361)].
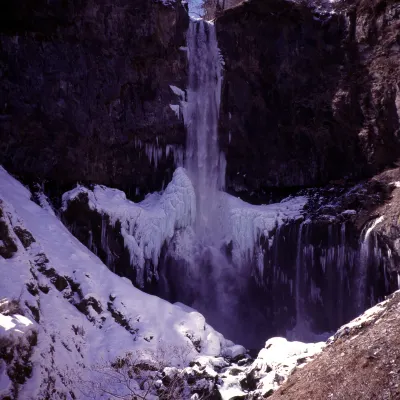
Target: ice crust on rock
[(171, 215), (244, 224), (145, 226)]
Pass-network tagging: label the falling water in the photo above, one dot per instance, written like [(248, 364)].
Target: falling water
[(216, 283), (302, 329), (299, 278), (204, 162)]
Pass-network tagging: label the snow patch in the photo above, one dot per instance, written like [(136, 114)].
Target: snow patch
[(14, 323), (277, 360)]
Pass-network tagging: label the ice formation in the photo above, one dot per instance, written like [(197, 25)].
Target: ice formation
[(145, 226), (156, 152), (369, 253)]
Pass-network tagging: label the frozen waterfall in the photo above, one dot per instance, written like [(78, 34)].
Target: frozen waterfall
[(254, 271)]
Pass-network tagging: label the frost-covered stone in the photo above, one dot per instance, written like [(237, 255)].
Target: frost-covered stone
[(234, 352), (276, 361)]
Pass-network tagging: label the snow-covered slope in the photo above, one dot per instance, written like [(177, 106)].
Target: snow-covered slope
[(81, 311)]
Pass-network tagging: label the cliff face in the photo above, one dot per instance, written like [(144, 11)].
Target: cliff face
[(308, 96), (84, 92)]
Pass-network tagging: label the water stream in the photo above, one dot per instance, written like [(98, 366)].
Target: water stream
[(204, 162)]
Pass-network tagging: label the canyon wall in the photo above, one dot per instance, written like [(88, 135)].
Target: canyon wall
[(309, 95), (85, 91)]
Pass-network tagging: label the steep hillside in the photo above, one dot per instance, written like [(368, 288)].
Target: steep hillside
[(76, 310), (361, 362)]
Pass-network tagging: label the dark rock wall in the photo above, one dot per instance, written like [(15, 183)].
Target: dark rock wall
[(309, 97), (85, 87)]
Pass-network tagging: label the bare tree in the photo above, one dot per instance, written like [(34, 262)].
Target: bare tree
[(214, 8), (141, 375)]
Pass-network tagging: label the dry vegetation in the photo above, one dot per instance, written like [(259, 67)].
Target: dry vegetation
[(141, 374), (213, 8)]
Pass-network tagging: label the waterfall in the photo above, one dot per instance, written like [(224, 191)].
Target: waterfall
[(204, 162), (299, 295), (252, 279)]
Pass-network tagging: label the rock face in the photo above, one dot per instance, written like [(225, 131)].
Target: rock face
[(84, 92), (308, 96)]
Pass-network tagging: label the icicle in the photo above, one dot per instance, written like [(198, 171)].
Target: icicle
[(299, 277), (364, 260)]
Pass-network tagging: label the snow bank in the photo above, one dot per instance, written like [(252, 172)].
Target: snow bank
[(278, 359)]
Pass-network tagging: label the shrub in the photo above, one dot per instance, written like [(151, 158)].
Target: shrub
[(11, 307)]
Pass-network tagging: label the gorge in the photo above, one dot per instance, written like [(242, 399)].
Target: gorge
[(251, 270), (244, 170)]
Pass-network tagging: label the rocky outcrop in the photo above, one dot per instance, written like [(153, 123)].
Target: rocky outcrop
[(85, 91), (309, 95)]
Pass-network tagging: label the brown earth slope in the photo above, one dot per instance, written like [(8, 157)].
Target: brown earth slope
[(362, 362)]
